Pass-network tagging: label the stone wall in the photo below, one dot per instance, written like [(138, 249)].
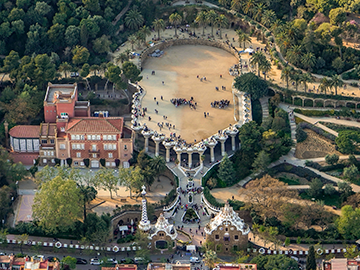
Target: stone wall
[(221, 246), (185, 41)]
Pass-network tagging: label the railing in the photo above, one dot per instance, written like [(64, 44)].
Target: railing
[(205, 201), (175, 201)]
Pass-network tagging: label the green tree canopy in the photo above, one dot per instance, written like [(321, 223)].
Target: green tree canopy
[(57, 205), (251, 84), (347, 140), (348, 223), (226, 171)]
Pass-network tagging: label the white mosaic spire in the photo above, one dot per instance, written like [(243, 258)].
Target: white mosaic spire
[(144, 222)]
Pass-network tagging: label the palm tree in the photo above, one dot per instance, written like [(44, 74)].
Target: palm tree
[(201, 19), (222, 22), (285, 75), (134, 19), (236, 5), (132, 40), (88, 194), (265, 67), (240, 36), (210, 258), (306, 78), (295, 76), (294, 54), (268, 17), (94, 68), (336, 82), (325, 84), (159, 25), (122, 57), (211, 16), (258, 11), (175, 19), (246, 38), (65, 67), (257, 59), (308, 60), (146, 32), (158, 164), (139, 37), (249, 7)]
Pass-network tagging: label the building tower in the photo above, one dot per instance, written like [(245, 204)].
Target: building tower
[(144, 224)]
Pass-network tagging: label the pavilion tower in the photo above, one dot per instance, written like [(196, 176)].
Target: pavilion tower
[(144, 224)]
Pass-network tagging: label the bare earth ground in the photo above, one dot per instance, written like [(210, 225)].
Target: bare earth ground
[(178, 68), (314, 146)]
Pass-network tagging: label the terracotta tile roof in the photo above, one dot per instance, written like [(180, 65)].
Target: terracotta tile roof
[(95, 125), (25, 131), (48, 129)]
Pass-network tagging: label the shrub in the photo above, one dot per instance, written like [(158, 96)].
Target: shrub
[(211, 199), (301, 135), (317, 130)]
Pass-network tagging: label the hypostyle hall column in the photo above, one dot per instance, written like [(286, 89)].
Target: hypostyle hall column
[(168, 146), (157, 140), (147, 135), (233, 134), (212, 146), (222, 140)]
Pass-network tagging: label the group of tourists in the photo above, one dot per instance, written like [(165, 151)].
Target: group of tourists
[(220, 104), (183, 101), (167, 125)]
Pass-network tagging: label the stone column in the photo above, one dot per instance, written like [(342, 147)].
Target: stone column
[(212, 155), (222, 141), (146, 135), (157, 140), (168, 146), (233, 135), (200, 154), (190, 159)]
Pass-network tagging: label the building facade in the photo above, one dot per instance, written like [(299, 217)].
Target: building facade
[(227, 231), (70, 136)]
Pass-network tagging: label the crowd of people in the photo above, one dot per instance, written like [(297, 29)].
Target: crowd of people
[(220, 104), (183, 101)]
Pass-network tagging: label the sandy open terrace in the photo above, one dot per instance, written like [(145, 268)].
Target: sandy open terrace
[(178, 68)]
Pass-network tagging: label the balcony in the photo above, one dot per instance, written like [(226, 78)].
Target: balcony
[(92, 151)]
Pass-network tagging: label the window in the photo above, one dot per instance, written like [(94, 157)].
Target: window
[(236, 237), (78, 146), (94, 155), (105, 137), (62, 129), (98, 137), (114, 137), (77, 137), (89, 137), (217, 237), (78, 154), (226, 229), (105, 146), (114, 146), (62, 146), (73, 137), (113, 164), (107, 164), (125, 147), (93, 137), (93, 147), (52, 160), (52, 141), (81, 163), (110, 155), (44, 141), (76, 163), (44, 160)]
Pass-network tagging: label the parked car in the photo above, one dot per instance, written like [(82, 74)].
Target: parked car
[(80, 261), (95, 261), (127, 261), (111, 260), (194, 260), (141, 260)]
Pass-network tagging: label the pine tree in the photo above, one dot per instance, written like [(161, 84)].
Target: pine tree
[(226, 171), (84, 35), (310, 259)]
